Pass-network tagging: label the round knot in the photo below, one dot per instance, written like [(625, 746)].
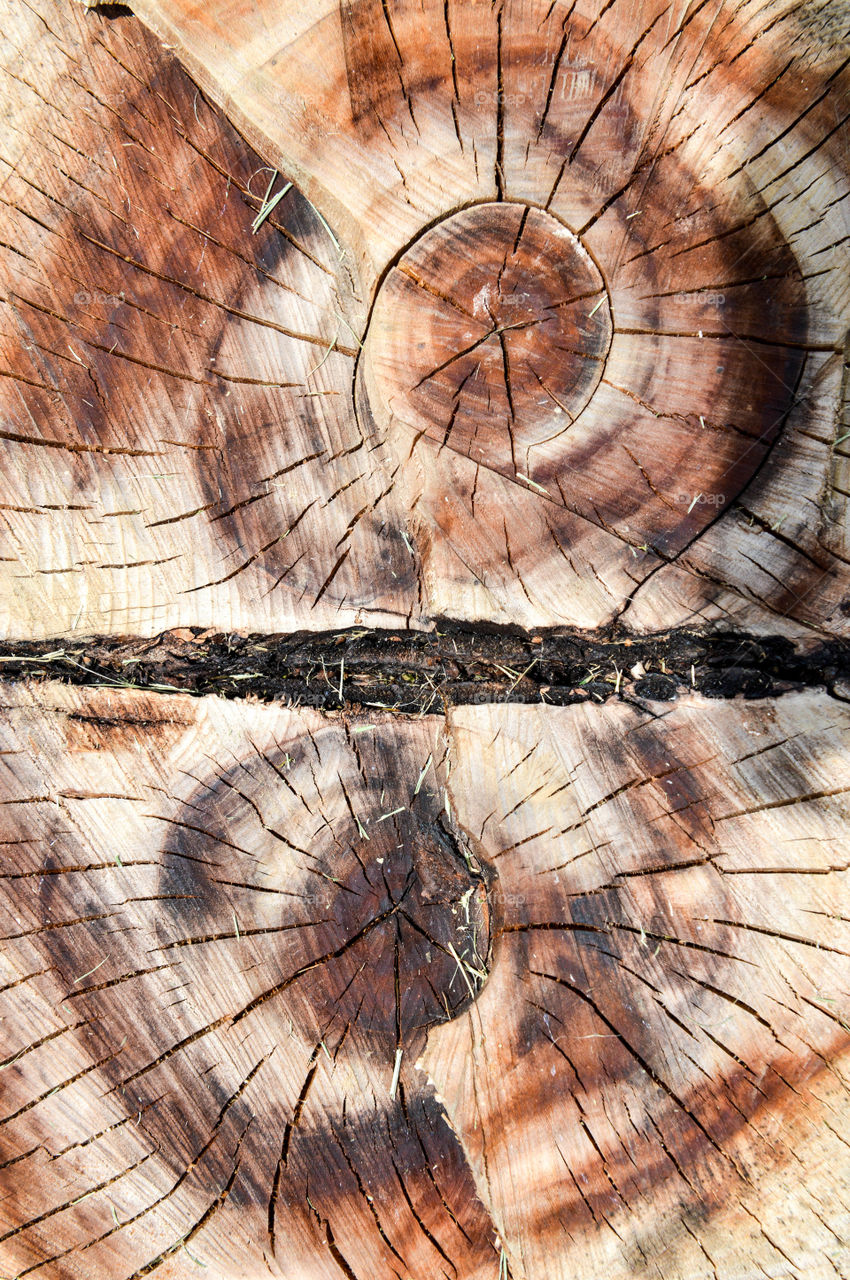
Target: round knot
[(489, 334), (335, 884)]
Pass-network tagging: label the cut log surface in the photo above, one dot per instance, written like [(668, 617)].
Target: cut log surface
[(178, 447), (425, 358), (615, 1041), (588, 264)]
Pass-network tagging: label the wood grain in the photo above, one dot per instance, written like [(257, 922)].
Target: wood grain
[(177, 441), (184, 444), (216, 944), (405, 316), (654, 1071), (654, 1079)]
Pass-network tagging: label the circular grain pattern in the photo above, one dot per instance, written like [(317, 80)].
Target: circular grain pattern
[(555, 458), (490, 334), (371, 917), (582, 367), (298, 911), (515, 450), (213, 965)]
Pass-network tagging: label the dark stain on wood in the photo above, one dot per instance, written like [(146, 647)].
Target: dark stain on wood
[(453, 665)]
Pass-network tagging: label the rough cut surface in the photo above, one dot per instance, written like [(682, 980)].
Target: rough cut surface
[(203, 900), (177, 446), (429, 357), (429, 671), (653, 235)]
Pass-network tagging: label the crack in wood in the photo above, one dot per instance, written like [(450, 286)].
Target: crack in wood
[(454, 665)]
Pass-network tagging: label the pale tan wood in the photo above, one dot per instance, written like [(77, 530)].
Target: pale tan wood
[(247, 1023), (778, 555), (655, 1078), (171, 866), (672, 1097), (177, 442), (636, 162), (204, 466)]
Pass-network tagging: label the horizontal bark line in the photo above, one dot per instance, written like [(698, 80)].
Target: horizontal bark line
[(426, 671)]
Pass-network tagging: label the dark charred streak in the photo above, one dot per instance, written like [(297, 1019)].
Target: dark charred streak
[(432, 1239), (453, 60), (287, 1137), (336, 1254), (403, 670), (500, 107), (556, 67), (60, 1208), (201, 1222), (458, 665), (367, 1198), (680, 1103)]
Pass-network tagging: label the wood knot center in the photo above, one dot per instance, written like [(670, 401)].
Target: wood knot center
[(410, 921), (489, 334), (346, 896)]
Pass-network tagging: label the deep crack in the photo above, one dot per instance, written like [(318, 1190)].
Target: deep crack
[(455, 664)]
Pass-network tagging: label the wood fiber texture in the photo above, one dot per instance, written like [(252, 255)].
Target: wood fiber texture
[(652, 1079), (425, 358), (209, 427)]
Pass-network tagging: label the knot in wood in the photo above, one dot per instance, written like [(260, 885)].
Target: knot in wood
[(408, 922), (365, 916), (489, 334)]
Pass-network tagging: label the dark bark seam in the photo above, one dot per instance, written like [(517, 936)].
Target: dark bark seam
[(453, 665)]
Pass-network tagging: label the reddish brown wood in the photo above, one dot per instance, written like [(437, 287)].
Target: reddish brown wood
[(223, 923), (482, 336), (551, 330), (194, 384), (491, 337), (199, 1010)]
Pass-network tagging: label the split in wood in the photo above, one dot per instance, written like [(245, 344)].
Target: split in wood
[(414, 672)]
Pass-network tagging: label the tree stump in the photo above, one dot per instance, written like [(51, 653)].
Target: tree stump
[(425, 600)]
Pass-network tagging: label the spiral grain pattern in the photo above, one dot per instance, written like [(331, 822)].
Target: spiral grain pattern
[(310, 427), (611, 948), (422, 360)]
